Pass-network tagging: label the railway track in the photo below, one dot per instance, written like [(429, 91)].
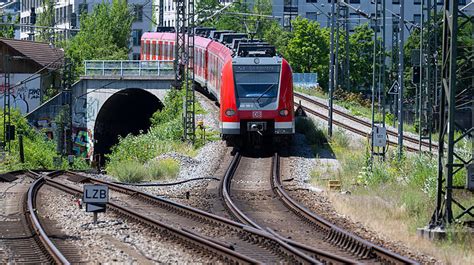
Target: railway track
[(235, 242), (255, 195), (23, 236), (364, 124)]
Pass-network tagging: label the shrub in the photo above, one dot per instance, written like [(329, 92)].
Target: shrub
[(128, 171), (167, 168)]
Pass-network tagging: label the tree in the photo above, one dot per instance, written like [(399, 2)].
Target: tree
[(308, 49), (46, 19), (278, 37), (206, 9), (104, 35), (361, 56), (8, 31)]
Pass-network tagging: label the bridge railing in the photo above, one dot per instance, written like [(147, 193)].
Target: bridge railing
[(128, 68), (305, 80)]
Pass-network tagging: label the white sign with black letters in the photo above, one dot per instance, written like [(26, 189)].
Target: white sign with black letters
[(96, 194)]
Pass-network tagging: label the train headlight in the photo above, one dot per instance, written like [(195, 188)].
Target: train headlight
[(229, 112), (284, 112)]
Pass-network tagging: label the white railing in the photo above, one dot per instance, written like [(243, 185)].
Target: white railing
[(128, 68), (305, 79)]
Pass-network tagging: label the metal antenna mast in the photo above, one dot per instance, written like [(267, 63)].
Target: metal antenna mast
[(189, 108), (451, 162)]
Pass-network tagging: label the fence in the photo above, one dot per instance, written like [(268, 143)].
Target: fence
[(305, 80), (129, 68)]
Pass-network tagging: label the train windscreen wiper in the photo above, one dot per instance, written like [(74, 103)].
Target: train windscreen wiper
[(264, 92)]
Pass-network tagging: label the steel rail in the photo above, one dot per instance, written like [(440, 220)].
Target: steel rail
[(54, 252), (335, 234), (363, 122), (199, 214), (291, 245), (350, 128), (192, 238)]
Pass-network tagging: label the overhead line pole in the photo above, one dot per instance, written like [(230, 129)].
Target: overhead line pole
[(401, 66), (331, 68)]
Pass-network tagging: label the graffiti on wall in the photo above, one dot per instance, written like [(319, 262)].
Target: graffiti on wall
[(24, 97), (46, 126), (85, 110), (82, 143)]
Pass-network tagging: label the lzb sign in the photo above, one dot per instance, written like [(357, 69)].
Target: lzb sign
[(96, 197)]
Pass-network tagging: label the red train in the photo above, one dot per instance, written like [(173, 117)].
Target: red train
[(253, 85)]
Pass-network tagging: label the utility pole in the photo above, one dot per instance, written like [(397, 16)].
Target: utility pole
[(401, 66), (7, 127), (67, 92), (180, 49), (451, 162), (378, 121), (161, 13), (189, 110), (347, 61), (331, 68)]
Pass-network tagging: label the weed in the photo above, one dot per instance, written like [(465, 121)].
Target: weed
[(167, 168), (129, 171)]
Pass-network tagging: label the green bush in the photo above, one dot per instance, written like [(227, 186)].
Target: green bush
[(128, 171), (39, 151), (167, 168)]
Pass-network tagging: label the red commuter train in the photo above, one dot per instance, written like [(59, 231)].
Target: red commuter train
[(253, 85)]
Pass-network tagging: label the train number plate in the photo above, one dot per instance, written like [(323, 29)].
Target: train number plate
[(256, 114)]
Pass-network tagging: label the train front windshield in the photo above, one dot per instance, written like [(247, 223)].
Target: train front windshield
[(256, 84)]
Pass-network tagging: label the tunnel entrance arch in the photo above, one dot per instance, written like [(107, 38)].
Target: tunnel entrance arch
[(127, 111)]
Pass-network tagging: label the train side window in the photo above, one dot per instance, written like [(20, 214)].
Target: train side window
[(153, 50), (147, 50), (157, 49)]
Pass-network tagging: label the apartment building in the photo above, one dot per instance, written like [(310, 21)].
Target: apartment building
[(68, 12), (320, 10)]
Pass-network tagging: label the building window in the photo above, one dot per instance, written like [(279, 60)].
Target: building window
[(417, 2), (138, 11), (395, 1), (417, 19), (462, 2), (136, 36), (312, 15), (83, 9)]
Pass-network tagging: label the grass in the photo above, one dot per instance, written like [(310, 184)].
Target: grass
[(393, 197), (134, 172)]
